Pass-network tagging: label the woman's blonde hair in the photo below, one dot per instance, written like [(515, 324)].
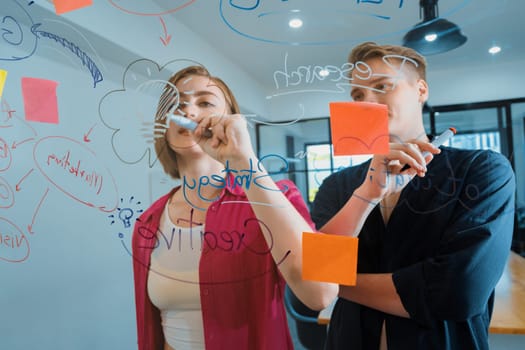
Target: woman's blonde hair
[(166, 155)]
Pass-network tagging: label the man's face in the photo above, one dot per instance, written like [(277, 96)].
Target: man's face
[(392, 82)]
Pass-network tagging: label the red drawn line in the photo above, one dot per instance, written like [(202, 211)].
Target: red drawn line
[(15, 145), (30, 227), (112, 2), (167, 37), (86, 136), (17, 187)]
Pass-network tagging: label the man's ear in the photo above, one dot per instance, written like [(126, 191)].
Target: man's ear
[(422, 88)]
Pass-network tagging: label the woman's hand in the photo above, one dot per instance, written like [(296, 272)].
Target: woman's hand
[(387, 174), (230, 139)]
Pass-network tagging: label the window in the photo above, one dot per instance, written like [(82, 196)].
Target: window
[(320, 162)]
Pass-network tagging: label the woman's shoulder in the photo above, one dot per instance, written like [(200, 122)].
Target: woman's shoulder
[(157, 206)]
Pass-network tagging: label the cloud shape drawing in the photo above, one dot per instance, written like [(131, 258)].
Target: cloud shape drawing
[(130, 111)]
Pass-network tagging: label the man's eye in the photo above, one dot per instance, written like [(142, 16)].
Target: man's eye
[(357, 97), (384, 87)]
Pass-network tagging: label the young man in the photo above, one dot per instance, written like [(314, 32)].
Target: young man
[(433, 238)]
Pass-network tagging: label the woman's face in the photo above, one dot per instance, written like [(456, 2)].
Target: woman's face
[(198, 97)]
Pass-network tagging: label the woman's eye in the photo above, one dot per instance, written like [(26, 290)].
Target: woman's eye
[(206, 104)]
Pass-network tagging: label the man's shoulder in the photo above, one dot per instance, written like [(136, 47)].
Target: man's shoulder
[(476, 156), (478, 163)]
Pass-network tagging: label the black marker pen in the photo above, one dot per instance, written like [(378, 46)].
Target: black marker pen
[(438, 141)]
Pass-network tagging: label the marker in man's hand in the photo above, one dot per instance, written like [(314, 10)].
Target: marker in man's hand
[(438, 141), (186, 123)]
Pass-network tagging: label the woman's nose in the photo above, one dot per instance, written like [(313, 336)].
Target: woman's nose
[(189, 109)]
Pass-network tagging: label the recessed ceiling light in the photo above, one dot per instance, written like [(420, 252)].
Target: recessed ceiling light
[(431, 37), (494, 49), (295, 23), (324, 72)]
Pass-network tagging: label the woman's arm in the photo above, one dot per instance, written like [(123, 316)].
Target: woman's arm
[(284, 224)]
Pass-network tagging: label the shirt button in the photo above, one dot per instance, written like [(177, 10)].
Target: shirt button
[(213, 208), (205, 292)]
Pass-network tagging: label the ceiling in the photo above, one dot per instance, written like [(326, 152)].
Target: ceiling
[(254, 33)]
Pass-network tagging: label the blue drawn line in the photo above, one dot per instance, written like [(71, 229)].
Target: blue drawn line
[(263, 14), (463, 4), (86, 60), (6, 33), (377, 2), (245, 8)]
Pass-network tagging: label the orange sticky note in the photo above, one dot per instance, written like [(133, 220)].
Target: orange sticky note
[(330, 258), (359, 128), (40, 100), (62, 6), (3, 76)]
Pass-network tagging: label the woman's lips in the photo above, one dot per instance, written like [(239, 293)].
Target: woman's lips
[(184, 132)]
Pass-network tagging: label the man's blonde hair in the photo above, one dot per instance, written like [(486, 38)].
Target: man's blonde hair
[(370, 50)]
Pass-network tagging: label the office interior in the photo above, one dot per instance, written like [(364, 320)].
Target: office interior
[(274, 71)]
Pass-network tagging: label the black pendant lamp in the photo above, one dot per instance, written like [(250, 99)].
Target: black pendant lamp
[(433, 35)]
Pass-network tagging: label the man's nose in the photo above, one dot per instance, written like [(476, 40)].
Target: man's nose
[(371, 96)]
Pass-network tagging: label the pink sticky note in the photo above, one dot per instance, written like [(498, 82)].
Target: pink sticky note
[(3, 76), (359, 128), (40, 100), (62, 6)]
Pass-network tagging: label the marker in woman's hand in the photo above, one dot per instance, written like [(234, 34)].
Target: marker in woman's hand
[(438, 141), (186, 123)]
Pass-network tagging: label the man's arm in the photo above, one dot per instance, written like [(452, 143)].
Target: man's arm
[(377, 291)]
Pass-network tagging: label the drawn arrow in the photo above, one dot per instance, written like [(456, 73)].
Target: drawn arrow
[(166, 38), (17, 187), (30, 226), (86, 136), (15, 144)]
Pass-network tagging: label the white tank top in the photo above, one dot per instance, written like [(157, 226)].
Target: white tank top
[(173, 284)]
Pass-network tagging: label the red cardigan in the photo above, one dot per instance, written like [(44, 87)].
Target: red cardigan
[(241, 287)]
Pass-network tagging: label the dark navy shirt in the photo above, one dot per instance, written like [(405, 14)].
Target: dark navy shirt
[(446, 243)]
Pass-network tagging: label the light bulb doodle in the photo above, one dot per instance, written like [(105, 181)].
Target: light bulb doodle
[(126, 212), (125, 215)]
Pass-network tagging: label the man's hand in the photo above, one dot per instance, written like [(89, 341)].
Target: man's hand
[(385, 169)]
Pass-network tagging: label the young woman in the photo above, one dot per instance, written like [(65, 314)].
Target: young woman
[(211, 258)]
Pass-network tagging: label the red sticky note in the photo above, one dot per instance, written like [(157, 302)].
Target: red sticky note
[(40, 100), (330, 258), (62, 6), (359, 128)]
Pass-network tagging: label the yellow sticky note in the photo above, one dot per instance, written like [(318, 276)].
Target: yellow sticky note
[(330, 258), (3, 76), (62, 6), (359, 128)]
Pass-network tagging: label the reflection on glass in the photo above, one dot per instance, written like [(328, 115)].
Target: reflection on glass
[(320, 163), (480, 140)]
